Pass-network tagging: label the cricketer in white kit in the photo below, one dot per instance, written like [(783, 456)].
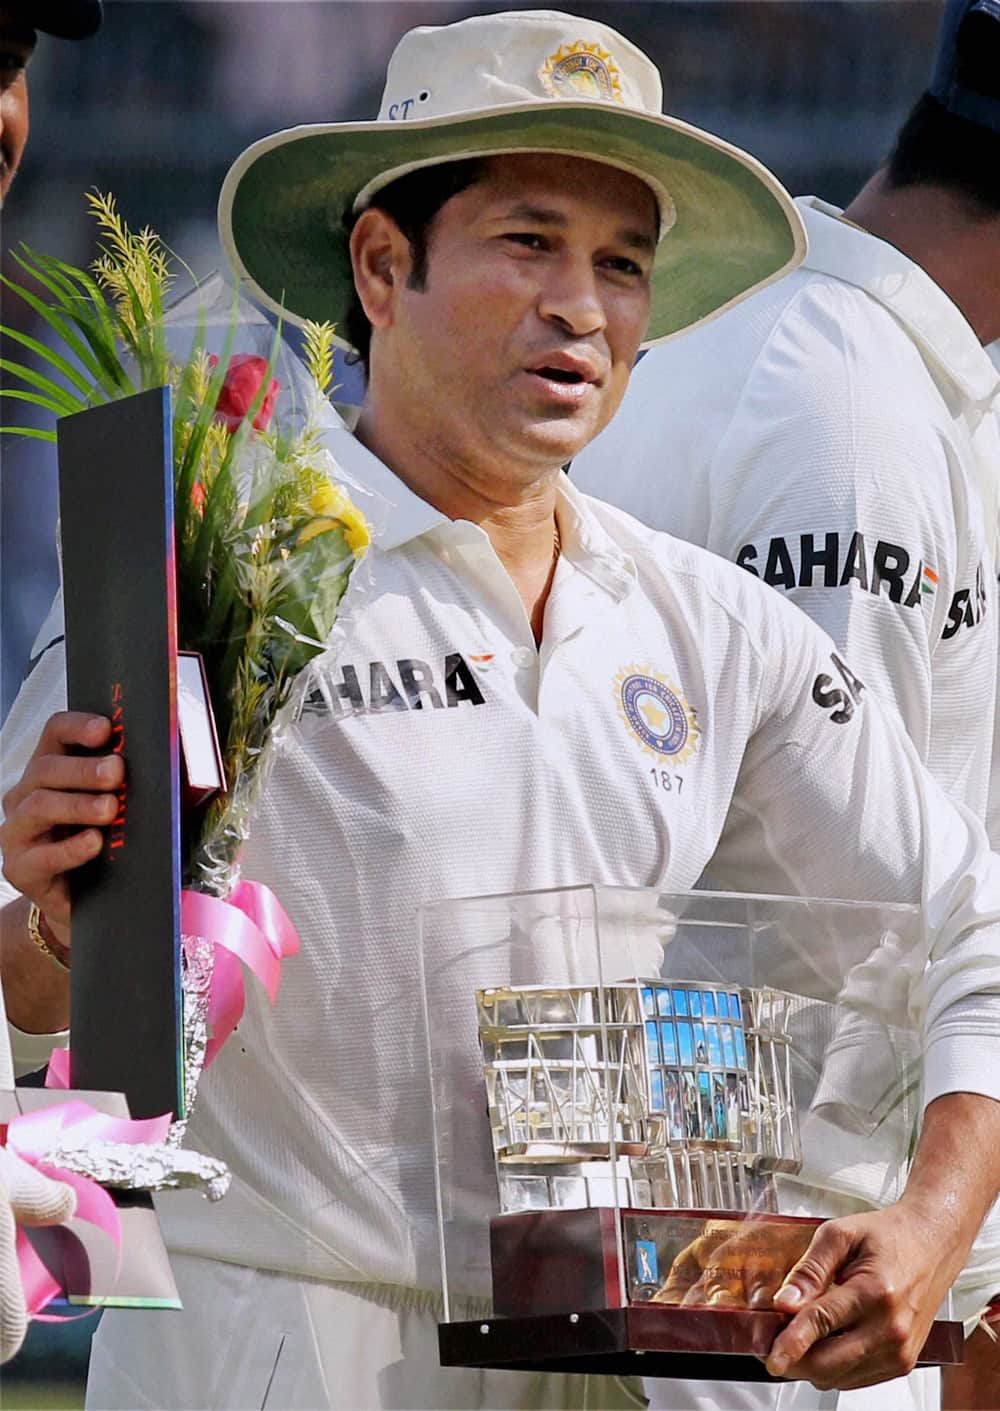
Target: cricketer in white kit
[(471, 734)]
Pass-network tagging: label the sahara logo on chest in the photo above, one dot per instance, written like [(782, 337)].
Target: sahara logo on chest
[(657, 714), (403, 685), (834, 560)]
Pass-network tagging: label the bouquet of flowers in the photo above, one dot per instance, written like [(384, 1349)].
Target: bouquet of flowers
[(266, 539)]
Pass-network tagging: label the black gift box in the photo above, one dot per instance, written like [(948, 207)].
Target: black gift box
[(116, 527)]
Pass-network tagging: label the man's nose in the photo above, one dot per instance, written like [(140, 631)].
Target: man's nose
[(570, 297)]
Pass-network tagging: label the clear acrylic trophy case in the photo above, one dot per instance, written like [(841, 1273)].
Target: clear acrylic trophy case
[(644, 1104)]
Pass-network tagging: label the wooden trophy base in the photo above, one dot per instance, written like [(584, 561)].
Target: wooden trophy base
[(559, 1301)]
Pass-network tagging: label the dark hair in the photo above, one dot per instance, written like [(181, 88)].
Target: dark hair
[(412, 201), (938, 148)]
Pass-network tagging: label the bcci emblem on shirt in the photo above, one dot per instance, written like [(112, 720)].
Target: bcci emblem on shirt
[(657, 712)]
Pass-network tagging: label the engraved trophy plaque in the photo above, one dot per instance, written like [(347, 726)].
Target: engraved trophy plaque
[(661, 1130)]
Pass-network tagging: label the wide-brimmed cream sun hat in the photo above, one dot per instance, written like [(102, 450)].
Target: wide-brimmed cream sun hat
[(523, 81)]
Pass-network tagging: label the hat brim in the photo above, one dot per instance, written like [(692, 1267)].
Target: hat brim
[(282, 203)]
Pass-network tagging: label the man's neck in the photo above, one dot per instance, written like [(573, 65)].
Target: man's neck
[(518, 517), (942, 232)]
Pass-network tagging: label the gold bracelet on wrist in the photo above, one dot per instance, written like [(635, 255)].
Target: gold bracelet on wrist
[(52, 949)]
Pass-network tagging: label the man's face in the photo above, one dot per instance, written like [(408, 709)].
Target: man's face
[(17, 43), (517, 350)]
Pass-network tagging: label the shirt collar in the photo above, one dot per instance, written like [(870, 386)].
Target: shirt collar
[(403, 516), (908, 292), (588, 545), (397, 515)]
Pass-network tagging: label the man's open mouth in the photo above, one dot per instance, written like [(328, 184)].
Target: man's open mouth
[(559, 374)]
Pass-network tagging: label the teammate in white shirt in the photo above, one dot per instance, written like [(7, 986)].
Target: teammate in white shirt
[(833, 436), (473, 731)]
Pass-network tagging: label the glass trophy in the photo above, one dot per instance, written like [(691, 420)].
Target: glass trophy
[(644, 1104)]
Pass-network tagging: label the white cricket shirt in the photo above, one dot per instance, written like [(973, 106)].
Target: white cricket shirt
[(676, 713), (832, 435)]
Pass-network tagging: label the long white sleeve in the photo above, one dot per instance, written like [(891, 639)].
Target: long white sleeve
[(832, 800)]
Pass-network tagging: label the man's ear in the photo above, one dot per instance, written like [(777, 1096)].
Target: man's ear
[(380, 258)]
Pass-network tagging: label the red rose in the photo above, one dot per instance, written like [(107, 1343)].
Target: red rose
[(244, 378)]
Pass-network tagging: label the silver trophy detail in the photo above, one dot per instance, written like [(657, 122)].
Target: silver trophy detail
[(681, 1093)]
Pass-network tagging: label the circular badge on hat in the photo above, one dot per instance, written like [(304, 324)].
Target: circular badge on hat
[(581, 70), (657, 713)]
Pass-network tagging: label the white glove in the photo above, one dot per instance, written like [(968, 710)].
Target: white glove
[(26, 1198)]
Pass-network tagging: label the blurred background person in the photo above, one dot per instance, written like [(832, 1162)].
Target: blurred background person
[(26, 1196), (19, 22), (834, 436), (19, 26)]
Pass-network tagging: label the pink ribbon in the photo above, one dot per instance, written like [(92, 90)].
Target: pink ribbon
[(31, 1137), (57, 1073), (250, 927)]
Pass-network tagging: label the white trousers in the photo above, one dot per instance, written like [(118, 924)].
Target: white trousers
[(920, 1391), (249, 1339)]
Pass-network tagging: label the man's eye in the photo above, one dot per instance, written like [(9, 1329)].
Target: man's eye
[(622, 265), (527, 238)]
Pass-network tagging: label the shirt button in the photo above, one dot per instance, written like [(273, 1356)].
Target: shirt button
[(523, 658)]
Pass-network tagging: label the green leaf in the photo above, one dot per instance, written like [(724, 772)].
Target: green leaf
[(31, 431), (81, 308), (33, 264), (43, 384), (227, 620), (76, 283), (198, 562), (183, 401), (313, 579), (54, 359), (90, 288), (57, 321), (68, 298), (56, 408), (158, 336)]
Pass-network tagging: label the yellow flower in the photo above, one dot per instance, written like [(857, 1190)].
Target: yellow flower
[(320, 525), (329, 499), (332, 505), (356, 531)]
